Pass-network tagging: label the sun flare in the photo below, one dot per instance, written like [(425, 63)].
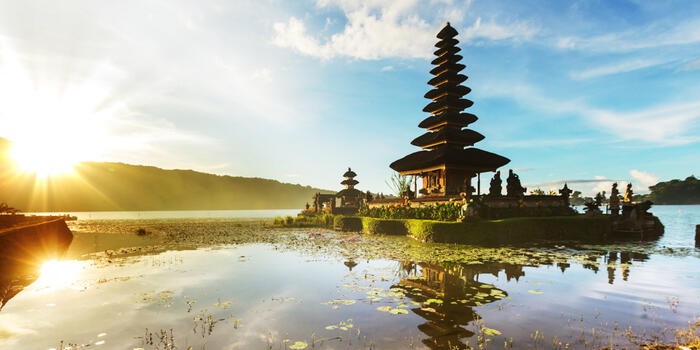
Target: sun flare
[(42, 159), (58, 274)]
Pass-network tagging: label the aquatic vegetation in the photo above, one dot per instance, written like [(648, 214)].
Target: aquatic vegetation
[(450, 295)]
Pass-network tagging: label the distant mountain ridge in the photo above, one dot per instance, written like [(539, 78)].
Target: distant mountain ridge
[(104, 186)]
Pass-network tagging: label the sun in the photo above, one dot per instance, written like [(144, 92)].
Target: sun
[(51, 124), (59, 274), (42, 157)]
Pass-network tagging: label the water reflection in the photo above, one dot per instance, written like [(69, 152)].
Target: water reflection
[(16, 274), (259, 295), (449, 291)]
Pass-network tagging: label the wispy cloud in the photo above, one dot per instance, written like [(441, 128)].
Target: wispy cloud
[(616, 68), (692, 65), (650, 36), (536, 143), (670, 124), (381, 29)]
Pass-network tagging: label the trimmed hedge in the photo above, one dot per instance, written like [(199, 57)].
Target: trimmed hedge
[(384, 226), (506, 231), (347, 223)]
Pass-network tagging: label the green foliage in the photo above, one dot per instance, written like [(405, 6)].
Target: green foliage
[(347, 223), (305, 220), (496, 232), (384, 226), (503, 213), (451, 212), (537, 192), (676, 191), (399, 183), (442, 212)]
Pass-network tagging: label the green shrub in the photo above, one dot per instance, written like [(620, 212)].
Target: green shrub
[(443, 211), (384, 226), (496, 232), (288, 220), (347, 223)]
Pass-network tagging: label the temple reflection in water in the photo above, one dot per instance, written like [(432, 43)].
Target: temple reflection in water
[(448, 292)]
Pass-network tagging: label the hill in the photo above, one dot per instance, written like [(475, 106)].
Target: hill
[(676, 191), (99, 186)]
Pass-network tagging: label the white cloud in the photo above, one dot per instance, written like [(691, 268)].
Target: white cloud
[(692, 65), (667, 124), (387, 68), (644, 178), (616, 68), (542, 142), (651, 36), (378, 29)]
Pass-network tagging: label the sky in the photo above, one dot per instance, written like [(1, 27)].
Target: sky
[(584, 92)]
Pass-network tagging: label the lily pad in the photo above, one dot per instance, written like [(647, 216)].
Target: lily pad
[(398, 311), (491, 331), (299, 345)]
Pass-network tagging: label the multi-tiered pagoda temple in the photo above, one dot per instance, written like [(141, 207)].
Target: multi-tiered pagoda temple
[(350, 196), (447, 162)]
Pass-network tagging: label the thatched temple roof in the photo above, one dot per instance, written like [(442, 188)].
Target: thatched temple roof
[(446, 139)]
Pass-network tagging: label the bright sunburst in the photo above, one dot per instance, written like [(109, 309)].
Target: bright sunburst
[(57, 274), (53, 124), (40, 157)]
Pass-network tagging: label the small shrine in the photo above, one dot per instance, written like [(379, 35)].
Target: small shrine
[(350, 197), (448, 162)]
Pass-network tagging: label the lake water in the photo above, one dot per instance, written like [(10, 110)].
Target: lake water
[(355, 296), (177, 214)]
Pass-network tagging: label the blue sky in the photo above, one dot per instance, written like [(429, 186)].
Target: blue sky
[(584, 92)]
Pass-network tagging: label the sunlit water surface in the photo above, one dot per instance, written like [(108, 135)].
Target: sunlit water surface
[(256, 297)]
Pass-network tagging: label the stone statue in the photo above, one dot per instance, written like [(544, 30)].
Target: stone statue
[(565, 192), (495, 186), (614, 200), (628, 194), (513, 186)]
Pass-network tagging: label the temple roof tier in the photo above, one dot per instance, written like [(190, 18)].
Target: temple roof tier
[(434, 122), (349, 192), (472, 159), (446, 43), (450, 79), (463, 138), (445, 103), (447, 51), (350, 182), (447, 58), (459, 90), (447, 67), (447, 32), (349, 173)]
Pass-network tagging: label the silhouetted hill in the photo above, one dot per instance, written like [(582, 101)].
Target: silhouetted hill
[(676, 191), (117, 186)]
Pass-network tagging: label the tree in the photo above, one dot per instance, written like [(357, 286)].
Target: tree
[(537, 192), (676, 191), (399, 184)]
